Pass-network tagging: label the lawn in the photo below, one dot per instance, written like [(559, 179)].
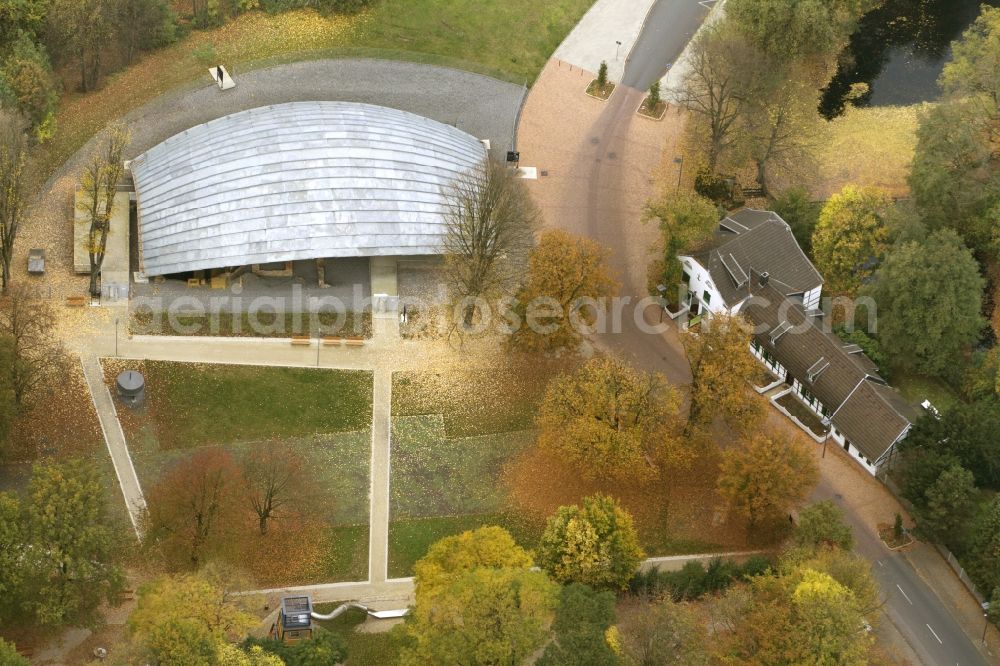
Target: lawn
[(916, 389), (325, 415), (867, 146), (508, 39), (363, 649), (454, 434), (409, 540), (201, 404)]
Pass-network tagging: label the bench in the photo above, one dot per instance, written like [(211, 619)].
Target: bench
[(76, 301), (355, 341), (301, 340), (332, 341)]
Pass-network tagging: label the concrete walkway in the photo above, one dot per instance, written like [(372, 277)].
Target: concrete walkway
[(378, 529), (115, 439), (594, 38)]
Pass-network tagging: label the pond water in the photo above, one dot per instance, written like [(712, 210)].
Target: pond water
[(899, 51)]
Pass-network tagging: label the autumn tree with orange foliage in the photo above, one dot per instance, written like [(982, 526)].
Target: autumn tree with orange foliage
[(193, 506), (568, 276), (763, 477), (721, 371), (610, 420)]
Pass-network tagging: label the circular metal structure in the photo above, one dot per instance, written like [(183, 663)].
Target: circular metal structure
[(131, 386), (296, 181)]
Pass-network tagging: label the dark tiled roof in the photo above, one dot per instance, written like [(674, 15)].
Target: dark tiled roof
[(869, 421), (870, 414), (757, 240)]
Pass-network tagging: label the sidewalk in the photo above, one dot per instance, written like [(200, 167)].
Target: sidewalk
[(594, 38)]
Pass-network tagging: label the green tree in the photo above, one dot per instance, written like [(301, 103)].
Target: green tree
[(809, 31), (9, 656), (70, 570), (687, 221), (26, 75), (954, 178), (984, 547), (663, 633), (823, 524), (609, 419), (12, 540), (929, 297), (950, 501), (143, 25), (602, 76), (654, 98), (796, 207), (965, 435), (764, 476), (974, 69), (582, 620), (721, 372), (8, 400), (851, 237), (78, 32), (595, 544), (477, 602), (568, 280)]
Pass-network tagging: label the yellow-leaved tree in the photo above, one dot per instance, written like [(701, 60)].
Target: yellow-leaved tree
[(568, 278), (610, 420), (721, 371)]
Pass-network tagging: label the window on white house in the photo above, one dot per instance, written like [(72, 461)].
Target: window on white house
[(685, 278), (706, 297)]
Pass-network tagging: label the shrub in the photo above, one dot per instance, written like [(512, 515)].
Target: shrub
[(602, 76)]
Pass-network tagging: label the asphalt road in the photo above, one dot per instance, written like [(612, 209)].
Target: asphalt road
[(915, 610), (669, 26), (913, 607)]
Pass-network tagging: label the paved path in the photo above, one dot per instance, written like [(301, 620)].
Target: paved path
[(115, 439), (669, 27), (594, 38), (378, 541)]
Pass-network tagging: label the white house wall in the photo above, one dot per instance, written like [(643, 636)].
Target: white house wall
[(700, 283)]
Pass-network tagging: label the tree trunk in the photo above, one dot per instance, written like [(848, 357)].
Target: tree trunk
[(263, 523), (468, 315), (762, 176)]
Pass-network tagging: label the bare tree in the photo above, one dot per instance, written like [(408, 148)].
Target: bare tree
[(273, 477), (27, 320), (713, 86), (491, 222), (13, 156), (99, 183)]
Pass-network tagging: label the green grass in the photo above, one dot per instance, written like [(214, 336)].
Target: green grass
[(514, 37), (435, 476), (266, 324), (916, 389), (348, 556), (409, 540), (363, 649), (201, 404)]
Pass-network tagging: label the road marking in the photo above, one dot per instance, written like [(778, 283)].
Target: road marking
[(706, 3), (880, 563), (904, 594), (935, 634)]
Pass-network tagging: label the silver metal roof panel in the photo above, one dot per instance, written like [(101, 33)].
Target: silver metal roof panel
[(302, 180)]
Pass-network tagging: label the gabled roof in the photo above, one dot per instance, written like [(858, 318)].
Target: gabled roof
[(757, 240), (860, 404)]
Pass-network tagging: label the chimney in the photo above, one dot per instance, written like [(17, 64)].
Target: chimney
[(764, 277)]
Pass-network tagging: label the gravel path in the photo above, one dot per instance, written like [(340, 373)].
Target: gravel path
[(484, 107)]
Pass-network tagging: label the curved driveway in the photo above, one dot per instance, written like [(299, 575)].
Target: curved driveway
[(484, 107)]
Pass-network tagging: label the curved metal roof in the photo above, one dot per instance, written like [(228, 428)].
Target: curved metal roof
[(302, 180)]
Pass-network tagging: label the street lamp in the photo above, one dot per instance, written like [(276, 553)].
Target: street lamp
[(618, 48), (986, 619), (116, 336), (679, 161)]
